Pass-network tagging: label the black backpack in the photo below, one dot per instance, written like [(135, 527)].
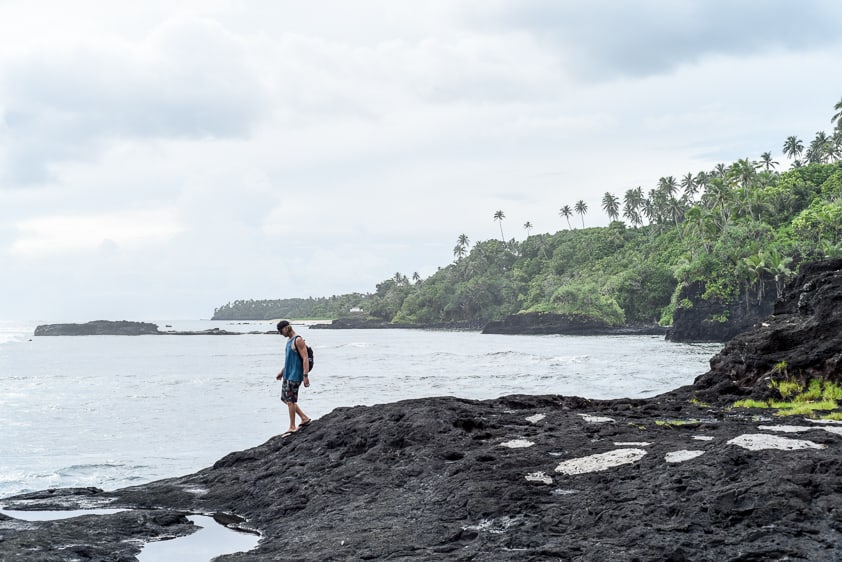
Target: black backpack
[(309, 354)]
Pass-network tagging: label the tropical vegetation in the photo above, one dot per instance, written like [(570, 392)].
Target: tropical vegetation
[(734, 230)]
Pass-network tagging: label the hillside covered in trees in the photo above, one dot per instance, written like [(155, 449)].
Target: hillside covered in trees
[(735, 231)]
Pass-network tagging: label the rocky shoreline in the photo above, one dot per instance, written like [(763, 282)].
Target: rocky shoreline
[(681, 476)]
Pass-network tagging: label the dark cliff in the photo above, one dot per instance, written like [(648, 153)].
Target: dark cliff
[(802, 340), (711, 321)]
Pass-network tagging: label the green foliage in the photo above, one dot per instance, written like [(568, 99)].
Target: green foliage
[(802, 408), (787, 388), (818, 396), (749, 403), (739, 230)]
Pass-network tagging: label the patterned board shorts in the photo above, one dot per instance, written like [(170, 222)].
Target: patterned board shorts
[(289, 391)]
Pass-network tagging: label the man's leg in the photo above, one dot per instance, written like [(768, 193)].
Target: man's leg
[(301, 414), (292, 406)]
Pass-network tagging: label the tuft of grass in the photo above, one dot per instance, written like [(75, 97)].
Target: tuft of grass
[(798, 401), (750, 404), (696, 402), (802, 408), (675, 423), (835, 416), (832, 391), (787, 388), (813, 392)]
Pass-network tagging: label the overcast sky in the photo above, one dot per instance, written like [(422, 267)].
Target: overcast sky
[(161, 158)]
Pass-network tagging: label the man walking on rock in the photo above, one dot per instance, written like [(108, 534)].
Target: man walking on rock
[(295, 371)]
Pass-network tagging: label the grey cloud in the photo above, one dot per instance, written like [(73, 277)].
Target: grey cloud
[(65, 106), (605, 38)]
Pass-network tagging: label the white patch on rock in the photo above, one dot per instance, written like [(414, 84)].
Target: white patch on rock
[(495, 526), (834, 430), (601, 461), (536, 418), (785, 428), (596, 419), (760, 441), (683, 455), (539, 477), (831, 422), (517, 444), (703, 437), (632, 444)]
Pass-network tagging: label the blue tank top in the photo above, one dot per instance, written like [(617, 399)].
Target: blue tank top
[(293, 365)]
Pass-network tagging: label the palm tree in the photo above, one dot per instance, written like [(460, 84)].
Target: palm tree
[(793, 147), (778, 266), (767, 162), (632, 201), (461, 248), (820, 149), (690, 187), (702, 179), (527, 226), (499, 216), (566, 212), (581, 209), (416, 277), (756, 265), (720, 170), (668, 186), (837, 117), (611, 206)]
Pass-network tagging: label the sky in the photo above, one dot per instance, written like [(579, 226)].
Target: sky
[(159, 159)]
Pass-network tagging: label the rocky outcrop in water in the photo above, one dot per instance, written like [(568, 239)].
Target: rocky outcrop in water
[(98, 328), (545, 323), (520, 477), (123, 328), (375, 324)]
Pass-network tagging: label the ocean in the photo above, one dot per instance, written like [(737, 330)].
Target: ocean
[(115, 411)]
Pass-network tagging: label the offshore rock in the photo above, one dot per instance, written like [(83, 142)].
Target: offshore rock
[(802, 339), (546, 323), (123, 328), (98, 328), (375, 324)]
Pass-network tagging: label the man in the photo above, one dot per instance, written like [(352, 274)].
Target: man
[(295, 371)]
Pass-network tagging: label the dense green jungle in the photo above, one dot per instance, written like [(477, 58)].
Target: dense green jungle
[(735, 230)]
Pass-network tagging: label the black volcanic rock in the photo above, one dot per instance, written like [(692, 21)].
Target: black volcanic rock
[(700, 322), (375, 324), (509, 479), (802, 339), (451, 479), (545, 323), (98, 328), (124, 328)]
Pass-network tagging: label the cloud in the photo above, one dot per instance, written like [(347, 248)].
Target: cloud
[(42, 236), (602, 39), (187, 79)]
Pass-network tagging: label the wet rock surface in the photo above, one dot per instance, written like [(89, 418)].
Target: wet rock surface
[(674, 477)]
